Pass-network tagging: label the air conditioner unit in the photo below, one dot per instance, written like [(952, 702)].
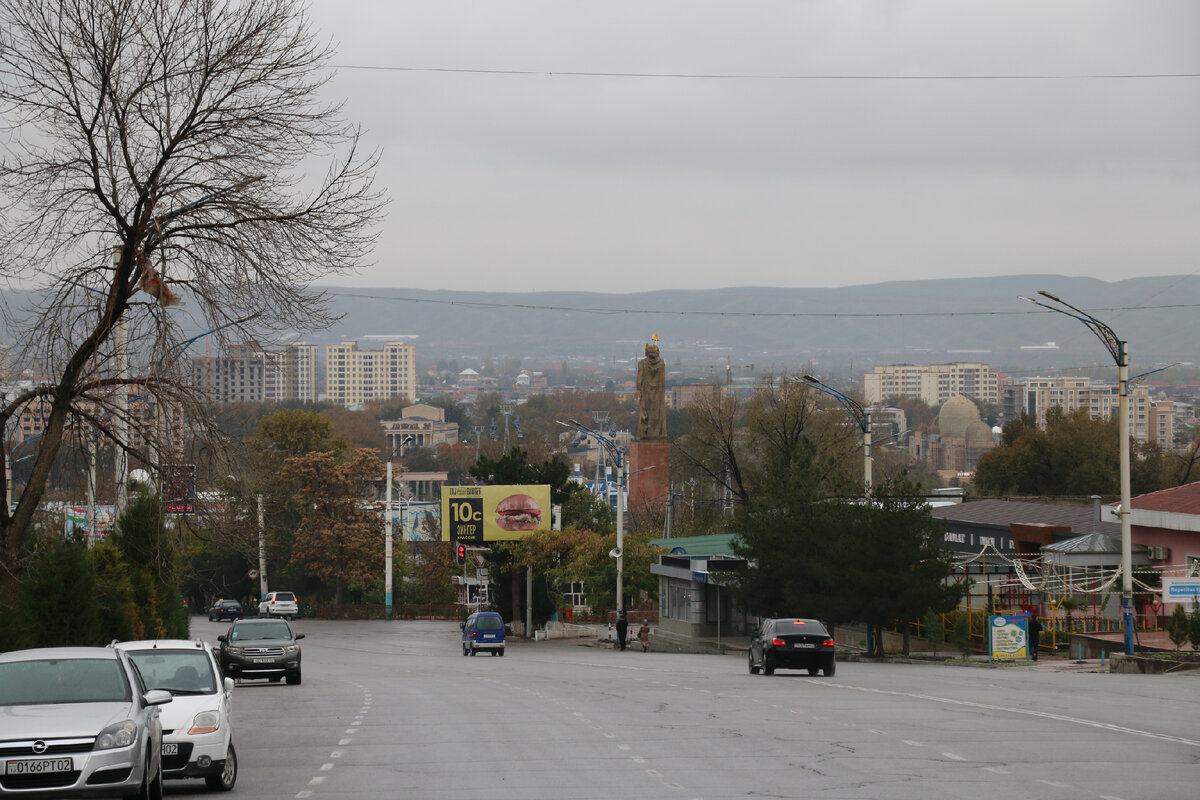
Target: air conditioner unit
[(1158, 553)]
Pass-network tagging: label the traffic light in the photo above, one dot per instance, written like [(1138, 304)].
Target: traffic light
[(462, 554)]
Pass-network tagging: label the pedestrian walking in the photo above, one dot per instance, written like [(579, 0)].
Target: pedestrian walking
[(622, 629), (644, 635), (1035, 635)]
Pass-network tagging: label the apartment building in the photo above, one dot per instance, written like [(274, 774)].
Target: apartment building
[(354, 376), (932, 383), (248, 373), (1151, 419)]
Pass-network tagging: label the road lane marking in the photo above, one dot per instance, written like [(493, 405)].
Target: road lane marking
[(1091, 723), (326, 767), (336, 754), (344, 741), (998, 770), (911, 742), (316, 781), (953, 757), (1055, 784)]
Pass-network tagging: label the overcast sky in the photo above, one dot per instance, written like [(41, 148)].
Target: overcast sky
[(537, 181)]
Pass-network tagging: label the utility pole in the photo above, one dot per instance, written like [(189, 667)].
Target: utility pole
[(262, 551)]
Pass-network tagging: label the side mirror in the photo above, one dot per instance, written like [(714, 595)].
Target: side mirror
[(222, 638), (462, 626), (229, 684), (299, 636)]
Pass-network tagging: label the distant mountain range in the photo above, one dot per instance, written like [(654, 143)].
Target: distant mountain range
[(848, 329)]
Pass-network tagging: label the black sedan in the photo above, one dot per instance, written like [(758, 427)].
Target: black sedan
[(791, 644), (225, 609)]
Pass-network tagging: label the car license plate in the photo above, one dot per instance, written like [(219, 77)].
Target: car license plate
[(808, 645), (170, 748), (39, 766), (264, 661)]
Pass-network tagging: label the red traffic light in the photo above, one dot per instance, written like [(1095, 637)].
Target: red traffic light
[(462, 554)]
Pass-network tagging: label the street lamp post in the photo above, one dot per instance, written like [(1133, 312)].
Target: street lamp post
[(861, 416), (614, 452), (1120, 353)]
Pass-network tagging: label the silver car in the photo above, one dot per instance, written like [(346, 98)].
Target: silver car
[(78, 722)]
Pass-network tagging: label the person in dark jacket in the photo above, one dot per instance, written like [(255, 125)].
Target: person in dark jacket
[(622, 629), (1035, 635)]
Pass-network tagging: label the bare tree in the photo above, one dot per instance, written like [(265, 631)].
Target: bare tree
[(158, 152), (735, 441)]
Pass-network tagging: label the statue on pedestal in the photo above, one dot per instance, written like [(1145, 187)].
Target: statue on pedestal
[(652, 395)]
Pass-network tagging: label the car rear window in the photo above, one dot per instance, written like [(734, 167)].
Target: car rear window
[(785, 627), (489, 624), (286, 597)]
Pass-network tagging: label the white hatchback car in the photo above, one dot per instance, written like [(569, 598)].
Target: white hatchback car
[(197, 737)]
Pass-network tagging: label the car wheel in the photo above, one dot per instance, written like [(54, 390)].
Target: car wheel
[(830, 668), (813, 670), (500, 653), (768, 665), (294, 678), (750, 662), (228, 777), (151, 788), (473, 651), (465, 653)]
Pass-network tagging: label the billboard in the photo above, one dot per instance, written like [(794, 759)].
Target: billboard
[(77, 522), (1008, 638), (478, 514)]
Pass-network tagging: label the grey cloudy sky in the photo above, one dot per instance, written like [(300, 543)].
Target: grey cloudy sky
[(539, 182)]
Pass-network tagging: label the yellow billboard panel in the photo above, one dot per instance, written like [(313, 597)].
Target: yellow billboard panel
[(478, 514)]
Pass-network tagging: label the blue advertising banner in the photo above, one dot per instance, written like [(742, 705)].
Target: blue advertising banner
[(1008, 637)]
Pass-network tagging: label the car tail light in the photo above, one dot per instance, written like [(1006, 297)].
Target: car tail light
[(827, 643), (778, 642)]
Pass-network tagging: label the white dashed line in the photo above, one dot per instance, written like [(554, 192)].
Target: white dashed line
[(1056, 784), (953, 757), (911, 742), (316, 781)]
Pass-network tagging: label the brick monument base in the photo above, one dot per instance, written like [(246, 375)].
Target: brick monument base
[(648, 488)]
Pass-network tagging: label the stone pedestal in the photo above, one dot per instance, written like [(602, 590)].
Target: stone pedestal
[(648, 488)]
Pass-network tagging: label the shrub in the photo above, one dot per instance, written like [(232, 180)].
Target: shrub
[(1179, 626)]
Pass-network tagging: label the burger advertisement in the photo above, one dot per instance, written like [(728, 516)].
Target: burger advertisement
[(478, 514)]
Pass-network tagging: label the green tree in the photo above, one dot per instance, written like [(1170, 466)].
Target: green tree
[(1179, 626), (1074, 455), (961, 637), (893, 563), (1194, 626)]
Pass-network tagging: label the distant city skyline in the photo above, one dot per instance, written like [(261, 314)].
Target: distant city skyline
[(627, 146)]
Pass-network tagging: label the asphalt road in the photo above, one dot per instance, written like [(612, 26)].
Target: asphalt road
[(393, 710)]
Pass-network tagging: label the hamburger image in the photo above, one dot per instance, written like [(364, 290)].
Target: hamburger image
[(518, 512)]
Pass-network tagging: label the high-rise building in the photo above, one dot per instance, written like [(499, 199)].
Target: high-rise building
[(248, 373), (1151, 419), (932, 383), (355, 376)]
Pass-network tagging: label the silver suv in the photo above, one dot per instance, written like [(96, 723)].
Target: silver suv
[(279, 604)]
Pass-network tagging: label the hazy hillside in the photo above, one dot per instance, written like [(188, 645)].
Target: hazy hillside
[(847, 329)]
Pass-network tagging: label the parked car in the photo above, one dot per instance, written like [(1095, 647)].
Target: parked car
[(197, 726), (225, 609), (260, 648), (483, 630), (791, 644), (78, 722), (279, 604)]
